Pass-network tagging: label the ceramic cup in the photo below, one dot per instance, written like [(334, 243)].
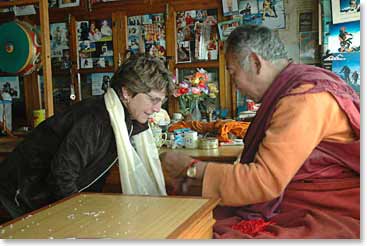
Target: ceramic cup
[(159, 137), (191, 140)]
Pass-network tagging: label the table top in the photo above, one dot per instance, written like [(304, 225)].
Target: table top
[(101, 215), (222, 153)]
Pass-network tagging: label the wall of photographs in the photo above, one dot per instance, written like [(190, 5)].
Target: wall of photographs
[(95, 47), (270, 13), (146, 34), (342, 40), (197, 35)]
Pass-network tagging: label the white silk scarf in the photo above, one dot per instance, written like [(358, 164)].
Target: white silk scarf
[(140, 167)]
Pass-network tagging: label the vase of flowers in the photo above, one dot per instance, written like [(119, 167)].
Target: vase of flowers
[(193, 91)]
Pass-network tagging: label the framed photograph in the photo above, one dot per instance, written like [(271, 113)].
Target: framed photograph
[(345, 10), (226, 27), (68, 3)]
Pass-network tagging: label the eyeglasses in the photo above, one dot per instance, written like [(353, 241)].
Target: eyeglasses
[(156, 100)]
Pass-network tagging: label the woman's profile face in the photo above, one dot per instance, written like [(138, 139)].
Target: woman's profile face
[(142, 105)]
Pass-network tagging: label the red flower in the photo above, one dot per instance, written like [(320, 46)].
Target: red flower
[(182, 91)]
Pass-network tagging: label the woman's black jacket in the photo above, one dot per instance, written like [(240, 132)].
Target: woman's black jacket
[(65, 154)]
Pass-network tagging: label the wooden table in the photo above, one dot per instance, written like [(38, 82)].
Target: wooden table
[(99, 215), (221, 154)]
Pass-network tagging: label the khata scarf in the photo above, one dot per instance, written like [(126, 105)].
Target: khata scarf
[(140, 167)]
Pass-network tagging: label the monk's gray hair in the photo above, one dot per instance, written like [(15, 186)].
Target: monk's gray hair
[(261, 40)]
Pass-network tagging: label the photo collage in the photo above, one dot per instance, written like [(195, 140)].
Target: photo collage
[(60, 47), (197, 35), (270, 13), (95, 47), (146, 34)]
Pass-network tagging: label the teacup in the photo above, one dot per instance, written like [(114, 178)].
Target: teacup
[(159, 137)]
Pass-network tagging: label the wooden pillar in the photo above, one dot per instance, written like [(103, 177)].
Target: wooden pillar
[(46, 57), (32, 96)]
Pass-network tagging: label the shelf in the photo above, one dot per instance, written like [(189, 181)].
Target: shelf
[(201, 64), (95, 70)]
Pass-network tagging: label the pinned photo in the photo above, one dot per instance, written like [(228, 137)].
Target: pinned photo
[(183, 52), (230, 7), (226, 27), (86, 63)]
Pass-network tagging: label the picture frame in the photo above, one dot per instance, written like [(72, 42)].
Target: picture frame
[(345, 11), (226, 27), (68, 3)]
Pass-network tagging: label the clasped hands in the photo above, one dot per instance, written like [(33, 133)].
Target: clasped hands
[(174, 166)]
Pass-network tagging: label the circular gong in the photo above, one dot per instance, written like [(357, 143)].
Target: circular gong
[(16, 47)]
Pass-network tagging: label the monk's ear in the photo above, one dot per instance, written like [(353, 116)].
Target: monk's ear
[(255, 62)]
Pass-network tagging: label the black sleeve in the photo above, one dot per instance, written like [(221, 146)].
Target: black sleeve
[(80, 147)]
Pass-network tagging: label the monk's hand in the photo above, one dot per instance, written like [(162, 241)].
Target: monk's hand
[(175, 164)]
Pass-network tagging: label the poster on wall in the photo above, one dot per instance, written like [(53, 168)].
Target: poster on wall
[(10, 85), (345, 10), (272, 13), (100, 82), (347, 66), (308, 43), (249, 10), (344, 37)]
